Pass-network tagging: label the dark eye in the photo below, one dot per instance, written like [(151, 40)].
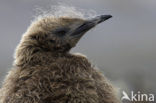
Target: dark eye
[(61, 32), (52, 41)]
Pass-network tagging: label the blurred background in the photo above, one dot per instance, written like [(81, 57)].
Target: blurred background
[(124, 47)]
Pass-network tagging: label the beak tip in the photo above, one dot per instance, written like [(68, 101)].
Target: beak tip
[(105, 17)]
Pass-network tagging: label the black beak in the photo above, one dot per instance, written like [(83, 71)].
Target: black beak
[(87, 25)]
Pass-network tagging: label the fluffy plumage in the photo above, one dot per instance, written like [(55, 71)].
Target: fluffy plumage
[(45, 72)]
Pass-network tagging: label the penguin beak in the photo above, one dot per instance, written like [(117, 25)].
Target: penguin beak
[(88, 24)]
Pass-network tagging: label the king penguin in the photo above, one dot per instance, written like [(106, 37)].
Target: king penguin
[(45, 71)]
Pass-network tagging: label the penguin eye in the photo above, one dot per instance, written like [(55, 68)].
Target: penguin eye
[(61, 32), (52, 41)]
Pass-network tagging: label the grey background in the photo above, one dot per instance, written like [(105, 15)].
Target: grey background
[(124, 47)]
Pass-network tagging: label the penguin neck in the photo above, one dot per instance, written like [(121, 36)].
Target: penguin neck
[(28, 55)]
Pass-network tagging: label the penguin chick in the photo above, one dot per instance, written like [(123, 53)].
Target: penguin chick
[(45, 72)]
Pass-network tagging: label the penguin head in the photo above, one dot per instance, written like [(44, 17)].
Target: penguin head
[(61, 34)]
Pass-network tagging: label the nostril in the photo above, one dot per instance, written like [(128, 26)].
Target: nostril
[(82, 25)]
